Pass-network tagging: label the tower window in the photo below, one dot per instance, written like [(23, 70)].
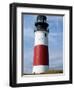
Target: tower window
[(45, 34)]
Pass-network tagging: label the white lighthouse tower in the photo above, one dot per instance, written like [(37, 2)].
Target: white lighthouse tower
[(41, 56)]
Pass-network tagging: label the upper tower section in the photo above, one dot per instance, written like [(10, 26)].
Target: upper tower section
[(41, 23)]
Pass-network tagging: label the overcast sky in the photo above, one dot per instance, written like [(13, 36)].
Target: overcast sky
[(55, 43)]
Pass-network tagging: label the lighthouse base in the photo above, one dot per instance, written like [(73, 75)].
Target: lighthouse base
[(40, 69)]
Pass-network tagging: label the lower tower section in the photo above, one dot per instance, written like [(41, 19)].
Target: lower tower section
[(41, 60)]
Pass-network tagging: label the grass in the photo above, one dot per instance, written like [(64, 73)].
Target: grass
[(48, 72), (54, 71)]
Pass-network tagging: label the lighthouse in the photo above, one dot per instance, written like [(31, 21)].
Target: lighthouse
[(41, 54)]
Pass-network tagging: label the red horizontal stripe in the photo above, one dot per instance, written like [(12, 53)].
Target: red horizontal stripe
[(41, 55)]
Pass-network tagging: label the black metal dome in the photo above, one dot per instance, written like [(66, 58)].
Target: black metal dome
[(41, 23), (41, 18)]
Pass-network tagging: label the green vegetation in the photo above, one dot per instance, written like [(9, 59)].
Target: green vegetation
[(54, 72), (48, 72)]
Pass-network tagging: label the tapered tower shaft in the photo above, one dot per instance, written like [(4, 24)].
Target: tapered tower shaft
[(41, 55)]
